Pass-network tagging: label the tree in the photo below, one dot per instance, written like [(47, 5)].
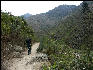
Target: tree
[(85, 7)]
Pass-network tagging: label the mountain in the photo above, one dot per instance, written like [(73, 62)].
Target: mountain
[(76, 30), (26, 15), (42, 22)]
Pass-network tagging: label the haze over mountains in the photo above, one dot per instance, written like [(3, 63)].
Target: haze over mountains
[(26, 15), (65, 21), (42, 23), (50, 18)]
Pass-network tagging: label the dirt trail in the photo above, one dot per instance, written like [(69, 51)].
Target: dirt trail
[(29, 62)]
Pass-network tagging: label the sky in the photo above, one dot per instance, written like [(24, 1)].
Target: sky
[(18, 8)]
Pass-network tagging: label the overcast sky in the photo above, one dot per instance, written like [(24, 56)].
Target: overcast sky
[(18, 8)]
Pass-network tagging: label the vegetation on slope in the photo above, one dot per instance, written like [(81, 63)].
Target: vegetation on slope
[(14, 31), (70, 45), (45, 21)]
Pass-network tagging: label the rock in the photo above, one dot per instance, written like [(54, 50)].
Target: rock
[(17, 48)]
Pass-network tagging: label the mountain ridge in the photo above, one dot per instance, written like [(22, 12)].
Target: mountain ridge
[(46, 20)]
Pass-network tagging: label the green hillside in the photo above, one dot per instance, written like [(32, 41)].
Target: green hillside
[(69, 44), (44, 21)]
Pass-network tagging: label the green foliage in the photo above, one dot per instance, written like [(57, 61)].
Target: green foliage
[(64, 58), (69, 46), (13, 26), (14, 31), (42, 23), (85, 7)]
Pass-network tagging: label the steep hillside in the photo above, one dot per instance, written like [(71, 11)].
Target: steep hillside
[(42, 22), (70, 43), (77, 28)]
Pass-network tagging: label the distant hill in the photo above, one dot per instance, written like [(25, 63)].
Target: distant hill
[(42, 22), (26, 15)]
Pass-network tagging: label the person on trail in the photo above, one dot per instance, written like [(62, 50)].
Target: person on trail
[(29, 44)]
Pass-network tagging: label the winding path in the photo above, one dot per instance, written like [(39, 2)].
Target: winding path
[(29, 62)]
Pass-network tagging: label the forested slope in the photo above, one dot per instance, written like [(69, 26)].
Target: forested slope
[(41, 23), (69, 45)]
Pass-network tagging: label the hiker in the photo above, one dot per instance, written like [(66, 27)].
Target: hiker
[(29, 44)]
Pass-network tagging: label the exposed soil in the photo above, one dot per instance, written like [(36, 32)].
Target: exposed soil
[(34, 61)]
